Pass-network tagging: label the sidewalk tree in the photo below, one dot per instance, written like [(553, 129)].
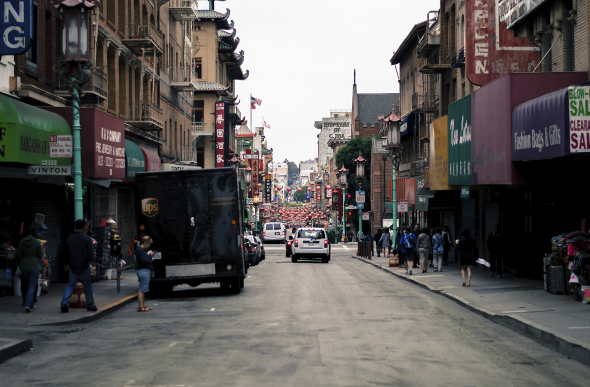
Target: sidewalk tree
[(345, 156)]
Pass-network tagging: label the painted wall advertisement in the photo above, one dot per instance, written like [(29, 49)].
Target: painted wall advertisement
[(439, 173), (460, 142), (579, 115)]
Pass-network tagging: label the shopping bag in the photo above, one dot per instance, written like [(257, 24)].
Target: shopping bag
[(574, 279)]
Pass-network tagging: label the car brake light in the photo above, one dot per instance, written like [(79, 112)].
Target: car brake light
[(296, 242), (263, 234), (325, 243), (283, 233)]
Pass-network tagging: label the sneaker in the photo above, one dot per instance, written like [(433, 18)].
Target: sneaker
[(410, 272), (401, 266), (440, 271), (499, 276), (406, 273), (28, 309), (64, 308), (92, 308), (435, 270)]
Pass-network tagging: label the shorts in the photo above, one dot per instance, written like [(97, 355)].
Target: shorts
[(424, 255), (143, 276), (409, 256)]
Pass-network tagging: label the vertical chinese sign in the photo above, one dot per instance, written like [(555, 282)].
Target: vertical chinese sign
[(460, 142), (220, 135), (268, 189), (439, 176)]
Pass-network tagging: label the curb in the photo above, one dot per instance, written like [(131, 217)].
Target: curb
[(567, 346), (100, 314), (14, 348)]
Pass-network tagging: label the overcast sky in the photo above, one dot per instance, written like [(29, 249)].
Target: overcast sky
[(302, 55)]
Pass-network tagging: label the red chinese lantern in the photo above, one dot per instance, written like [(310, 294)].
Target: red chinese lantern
[(317, 187), (279, 188), (309, 188), (299, 189), (328, 187), (289, 189)]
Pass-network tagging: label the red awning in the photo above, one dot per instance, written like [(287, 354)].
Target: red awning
[(152, 160)]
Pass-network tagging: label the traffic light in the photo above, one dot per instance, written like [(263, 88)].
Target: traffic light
[(349, 213)]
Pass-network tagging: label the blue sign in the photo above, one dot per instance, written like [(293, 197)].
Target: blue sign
[(16, 26), (360, 205)]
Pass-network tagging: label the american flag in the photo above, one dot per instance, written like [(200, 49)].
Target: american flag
[(255, 101), (265, 124)]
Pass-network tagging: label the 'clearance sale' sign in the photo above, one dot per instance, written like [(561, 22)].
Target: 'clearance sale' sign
[(579, 110)]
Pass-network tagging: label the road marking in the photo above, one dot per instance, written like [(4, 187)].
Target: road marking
[(345, 247), (212, 309), (578, 328), (173, 344)]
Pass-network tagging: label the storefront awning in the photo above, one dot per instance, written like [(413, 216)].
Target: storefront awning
[(407, 124), (541, 126), (152, 160), (25, 132), (134, 160)]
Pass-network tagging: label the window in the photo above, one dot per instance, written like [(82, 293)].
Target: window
[(570, 63), (32, 53), (549, 55), (198, 66), (198, 110)]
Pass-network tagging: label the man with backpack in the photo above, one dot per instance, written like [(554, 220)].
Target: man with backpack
[(408, 246)]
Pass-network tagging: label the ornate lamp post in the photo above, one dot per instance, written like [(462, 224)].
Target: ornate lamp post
[(256, 201), (234, 162), (360, 175), (393, 143), (76, 66), (343, 181)]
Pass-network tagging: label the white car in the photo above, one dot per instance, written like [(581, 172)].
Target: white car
[(274, 232), (311, 242)]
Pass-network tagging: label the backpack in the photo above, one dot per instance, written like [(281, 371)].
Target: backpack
[(408, 241), (440, 250)]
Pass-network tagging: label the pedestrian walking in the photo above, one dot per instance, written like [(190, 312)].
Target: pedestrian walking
[(437, 249), (430, 255), (145, 268), (377, 238), (408, 244), (495, 240), (416, 233), (369, 239), (81, 257), (447, 244), (385, 242), (424, 248), (397, 248), (30, 260), (467, 255)]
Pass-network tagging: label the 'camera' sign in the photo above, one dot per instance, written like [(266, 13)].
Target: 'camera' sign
[(16, 26)]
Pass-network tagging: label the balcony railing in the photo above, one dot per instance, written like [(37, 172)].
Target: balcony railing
[(98, 85), (144, 36), (183, 9), (183, 78), (147, 116), (199, 128)]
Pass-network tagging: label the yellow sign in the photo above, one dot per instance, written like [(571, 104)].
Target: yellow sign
[(439, 154)]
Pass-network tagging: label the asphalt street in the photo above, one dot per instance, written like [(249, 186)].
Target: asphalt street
[(344, 323)]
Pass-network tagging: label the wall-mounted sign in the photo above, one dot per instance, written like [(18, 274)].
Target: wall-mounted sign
[(220, 134), (460, 142), (60, 146), (16, 26), (512, 12), (59, 170), (491, 50), (402, 206), (579, 109)]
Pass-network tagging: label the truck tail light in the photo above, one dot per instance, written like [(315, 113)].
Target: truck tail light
[(325, 243), (296, 242)]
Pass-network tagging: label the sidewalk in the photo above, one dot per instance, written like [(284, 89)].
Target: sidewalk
[(556, 321), (48, 312)]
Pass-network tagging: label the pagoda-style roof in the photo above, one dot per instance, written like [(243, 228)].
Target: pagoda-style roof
[(244, 132), (222, 34), (220, 19)]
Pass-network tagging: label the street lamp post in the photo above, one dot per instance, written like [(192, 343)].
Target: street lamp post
[(360, 175), (248, 181), (256, 201), (75, 65), (393, 143), (343, 183)]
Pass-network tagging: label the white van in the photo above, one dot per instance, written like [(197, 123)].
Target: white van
[(274, 232)]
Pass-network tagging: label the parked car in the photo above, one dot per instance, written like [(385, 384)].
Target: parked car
[(288, 246), (274, 232), (253, 250), (261, 246), (309, 243)]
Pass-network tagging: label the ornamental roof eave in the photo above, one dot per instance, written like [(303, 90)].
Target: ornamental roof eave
[(220, 19), (223, 34)]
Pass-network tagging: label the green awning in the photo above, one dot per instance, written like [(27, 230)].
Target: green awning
[(134, 160), (25, 132)]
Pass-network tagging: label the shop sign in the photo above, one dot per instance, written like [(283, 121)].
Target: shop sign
[(49, 170), (16, 26), (268, 188), (178, 167), (221, 135), (60, 146), (439, 173), (460, 142), (402, 206), (579, 114), (512, 12), (491, 50)]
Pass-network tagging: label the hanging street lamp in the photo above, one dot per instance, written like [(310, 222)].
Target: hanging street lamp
[(393, 143), (360, 176)]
